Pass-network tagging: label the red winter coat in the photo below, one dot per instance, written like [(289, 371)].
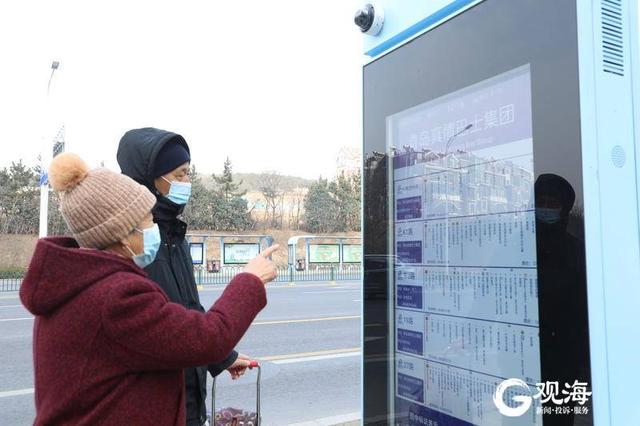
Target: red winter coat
[(108, 346)]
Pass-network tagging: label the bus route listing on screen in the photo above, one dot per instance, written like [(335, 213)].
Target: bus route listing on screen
[(466, 298)]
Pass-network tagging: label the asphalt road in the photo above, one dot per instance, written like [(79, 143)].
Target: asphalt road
[(307, 339)]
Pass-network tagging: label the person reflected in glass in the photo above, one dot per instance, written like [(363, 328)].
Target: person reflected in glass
[(564, 332)]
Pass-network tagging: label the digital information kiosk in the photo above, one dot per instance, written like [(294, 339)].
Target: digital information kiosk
[(500, 215)]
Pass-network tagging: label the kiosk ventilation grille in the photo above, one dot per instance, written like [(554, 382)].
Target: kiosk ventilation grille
[(612, 40)]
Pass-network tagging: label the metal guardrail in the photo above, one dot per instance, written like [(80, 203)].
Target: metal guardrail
[(289, 275), (10, 284), (226, 274)]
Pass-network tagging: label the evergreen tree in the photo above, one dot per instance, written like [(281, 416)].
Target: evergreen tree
[(227, 188), (333, 206), (356, 184), (198, 213), (56, 225), (230, 212), (222, 209), (346, 193), (231, 215), (320, 208), (19, 200)]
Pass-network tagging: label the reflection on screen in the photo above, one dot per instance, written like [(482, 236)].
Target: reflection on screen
[(466, 305)]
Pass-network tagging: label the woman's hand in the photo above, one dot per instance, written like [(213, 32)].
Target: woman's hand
[(262, 267), (239, 367)]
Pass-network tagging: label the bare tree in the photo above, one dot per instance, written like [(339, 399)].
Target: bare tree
[(272, 189), (297, 202)]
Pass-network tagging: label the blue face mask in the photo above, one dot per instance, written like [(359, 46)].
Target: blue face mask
[(179, 192), (151, 238), (547, 215)]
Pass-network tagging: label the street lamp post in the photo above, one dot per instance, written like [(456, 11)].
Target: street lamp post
[(45, 159)]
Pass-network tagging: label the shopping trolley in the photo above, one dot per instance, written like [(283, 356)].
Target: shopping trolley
[(235, 416)]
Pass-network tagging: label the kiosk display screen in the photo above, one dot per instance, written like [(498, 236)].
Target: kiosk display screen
[(240, 253), (474, 280), (197, 253), (324, 253), (466, 296), (351, 253)]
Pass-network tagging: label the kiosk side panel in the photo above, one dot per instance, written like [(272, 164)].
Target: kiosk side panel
[(473, 219)]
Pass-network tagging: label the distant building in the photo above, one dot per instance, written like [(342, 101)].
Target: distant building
[(463, 184)]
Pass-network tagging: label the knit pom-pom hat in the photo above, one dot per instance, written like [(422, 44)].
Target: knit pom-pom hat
[(100, 207)]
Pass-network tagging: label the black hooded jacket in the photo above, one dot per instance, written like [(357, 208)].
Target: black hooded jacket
[(173, 266)]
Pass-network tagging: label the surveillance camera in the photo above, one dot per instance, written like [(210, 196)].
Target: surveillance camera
[(370, 19)]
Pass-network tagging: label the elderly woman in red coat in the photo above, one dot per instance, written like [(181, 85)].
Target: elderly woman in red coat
[(109, 348)]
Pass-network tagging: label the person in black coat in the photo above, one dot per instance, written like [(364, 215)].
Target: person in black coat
[(160, 160), (564, 319)]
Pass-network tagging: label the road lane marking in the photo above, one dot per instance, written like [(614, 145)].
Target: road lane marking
[(333, 420), (18, 392), (311, 356), (15, 319), (316, 358), (15, 297), (283, 286), (276, 359), (11, 306), (271, 286), (296, 321)]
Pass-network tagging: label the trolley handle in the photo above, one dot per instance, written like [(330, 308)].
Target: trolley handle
[(252, 364)]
